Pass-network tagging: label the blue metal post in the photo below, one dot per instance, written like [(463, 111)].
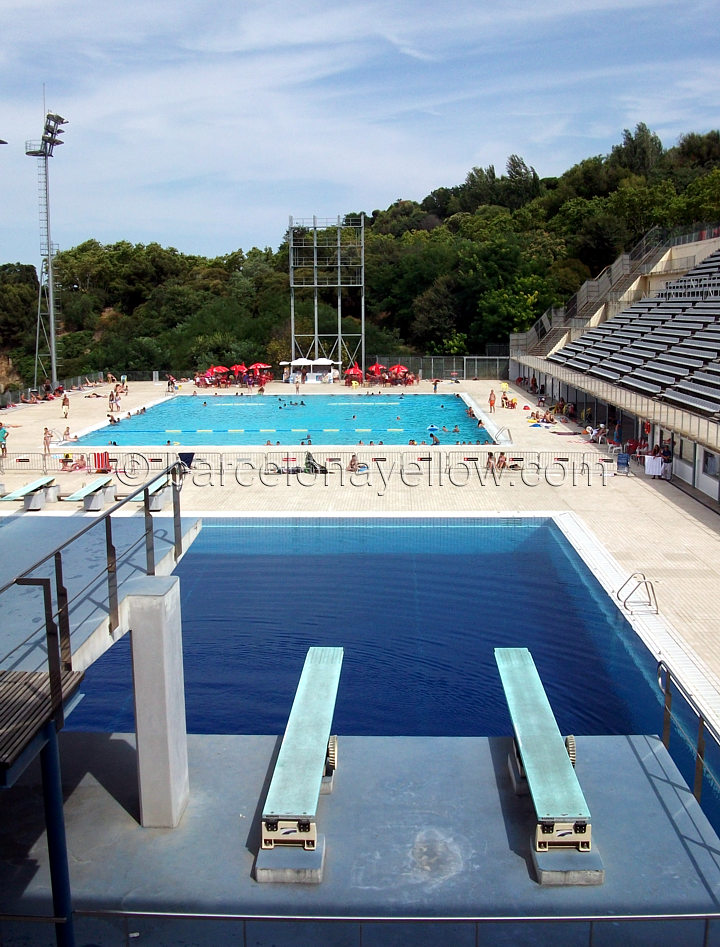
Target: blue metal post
[(57, 846)]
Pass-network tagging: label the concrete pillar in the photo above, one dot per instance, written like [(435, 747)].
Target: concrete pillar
[(154, 620)]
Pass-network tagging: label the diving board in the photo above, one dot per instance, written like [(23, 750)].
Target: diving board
[(562, 814), (92, 494), (33, 494), (308, 754)]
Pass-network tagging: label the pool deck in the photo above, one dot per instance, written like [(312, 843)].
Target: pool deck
[(423, 828)]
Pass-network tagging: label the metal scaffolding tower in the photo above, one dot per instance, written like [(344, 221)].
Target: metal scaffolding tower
[(325, 255), (46, 312)]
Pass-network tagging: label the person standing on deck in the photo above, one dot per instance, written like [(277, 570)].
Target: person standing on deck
[(491, 401)]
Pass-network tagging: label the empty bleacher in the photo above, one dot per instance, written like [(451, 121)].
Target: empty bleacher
[(666, 346)]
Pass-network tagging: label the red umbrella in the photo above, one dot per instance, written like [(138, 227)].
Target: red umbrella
[(238, 369), (220, 370), (398, 368), (355, 370), (376, 368), (259, 365)]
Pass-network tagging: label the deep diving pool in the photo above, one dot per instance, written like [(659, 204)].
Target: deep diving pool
[(418, 605), (226, 419)]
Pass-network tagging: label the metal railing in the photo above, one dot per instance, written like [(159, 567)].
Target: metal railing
[(593, 922), (641, 260), (669, 684), (57, 607), (633, 584), (705, 431)]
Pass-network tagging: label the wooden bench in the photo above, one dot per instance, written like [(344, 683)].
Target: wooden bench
[(25, 706), (543, 757), (307, 756), (33, 494), (93, 494)]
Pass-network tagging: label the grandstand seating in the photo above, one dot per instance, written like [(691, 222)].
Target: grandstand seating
[(666, 346)]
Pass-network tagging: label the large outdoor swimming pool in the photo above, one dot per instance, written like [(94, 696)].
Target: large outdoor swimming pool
[(418, 605), (340, 419)]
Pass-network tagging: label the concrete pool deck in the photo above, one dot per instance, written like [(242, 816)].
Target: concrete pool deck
[(415, 828)]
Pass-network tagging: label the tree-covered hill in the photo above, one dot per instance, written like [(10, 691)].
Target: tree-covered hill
[(464, 267)]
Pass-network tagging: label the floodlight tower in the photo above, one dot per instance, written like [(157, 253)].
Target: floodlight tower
[(43, 150)]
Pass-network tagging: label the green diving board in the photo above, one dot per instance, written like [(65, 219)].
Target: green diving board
[(33, 493), (92, 494), (308, 754), (156, 491), (563, 817)]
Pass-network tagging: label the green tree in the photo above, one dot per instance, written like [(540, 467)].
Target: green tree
[(640, 152)]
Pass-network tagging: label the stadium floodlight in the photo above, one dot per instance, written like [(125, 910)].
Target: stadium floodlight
[(43, 150)]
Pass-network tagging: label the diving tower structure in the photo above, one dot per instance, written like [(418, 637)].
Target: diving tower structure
[(327, 255)]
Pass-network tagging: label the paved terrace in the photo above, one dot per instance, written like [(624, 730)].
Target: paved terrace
[(646, 525)]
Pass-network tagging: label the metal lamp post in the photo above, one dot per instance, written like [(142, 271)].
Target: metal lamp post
[(43, 150)]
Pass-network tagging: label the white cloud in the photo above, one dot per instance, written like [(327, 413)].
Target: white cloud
[(203, 125)]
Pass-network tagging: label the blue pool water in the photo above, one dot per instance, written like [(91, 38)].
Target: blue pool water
[(418, 605), (340, 419)]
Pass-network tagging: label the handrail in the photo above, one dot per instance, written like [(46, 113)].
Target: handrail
[(169, 472), (60, 633), (640, 582), (701, 767)]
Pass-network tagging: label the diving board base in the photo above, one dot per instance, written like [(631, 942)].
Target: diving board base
[(568, 867), (517, 777), (290, 864)]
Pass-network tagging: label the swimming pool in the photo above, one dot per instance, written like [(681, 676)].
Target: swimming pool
[(342, 419), (418, 605)]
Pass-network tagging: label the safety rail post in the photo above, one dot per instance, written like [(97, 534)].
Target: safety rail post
[(699, 760), (149, 534), (63, 616), (53, 648), (111, 576), (667, 704), (176, 478)]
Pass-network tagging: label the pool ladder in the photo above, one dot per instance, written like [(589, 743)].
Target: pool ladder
[(635, 583)]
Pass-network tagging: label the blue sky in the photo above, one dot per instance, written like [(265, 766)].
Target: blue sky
[(204, 124)]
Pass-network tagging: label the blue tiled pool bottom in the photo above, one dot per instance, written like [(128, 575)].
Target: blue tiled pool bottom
[(418, 605), (341, 419)]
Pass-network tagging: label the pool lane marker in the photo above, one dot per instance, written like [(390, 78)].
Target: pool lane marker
[(267, 430), (363, 430), (236, 430), (330, 430), (299, 430), (172, 430)]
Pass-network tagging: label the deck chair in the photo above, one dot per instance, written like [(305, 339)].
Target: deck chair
[(623, 463)]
